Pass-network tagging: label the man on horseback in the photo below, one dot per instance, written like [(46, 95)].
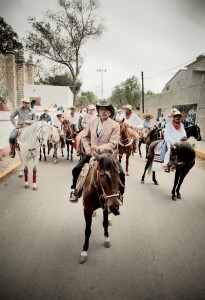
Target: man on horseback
[(134, 122), (45, 116), (26, 116), (101, 135), (174, 133)]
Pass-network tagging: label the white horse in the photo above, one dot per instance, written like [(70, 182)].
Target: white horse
[(54, 140), (29, 141)]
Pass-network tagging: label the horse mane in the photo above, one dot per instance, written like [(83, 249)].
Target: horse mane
[(152, 133)]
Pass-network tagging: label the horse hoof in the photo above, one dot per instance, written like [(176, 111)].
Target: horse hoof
[(35, 188), (110, 222), (83, 257), (26, 186), (179, 196), (142, 181), (174, 198), (107, 244), (20, 176), (156, 183)]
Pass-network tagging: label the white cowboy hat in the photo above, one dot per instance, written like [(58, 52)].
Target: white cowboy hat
[(26, 99), (177, 112), (73, 107), (147, 115), (45, 108), (172, 112), (59, 112), (128, 106)]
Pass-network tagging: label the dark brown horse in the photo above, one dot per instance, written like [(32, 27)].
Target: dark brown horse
[(193, 131), (182, 159), (100, 190), (152, 135), (125, 145), (69, 138)]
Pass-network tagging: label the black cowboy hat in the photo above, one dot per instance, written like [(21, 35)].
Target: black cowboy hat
[(104, 103)]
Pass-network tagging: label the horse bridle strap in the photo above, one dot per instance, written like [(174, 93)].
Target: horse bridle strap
[(104, 195)]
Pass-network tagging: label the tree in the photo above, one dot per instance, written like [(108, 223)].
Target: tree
[(87, 98), (128, 92), (6, 34), (149, 92), (61, 35)]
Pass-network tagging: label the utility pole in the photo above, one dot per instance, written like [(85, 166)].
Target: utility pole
[(101, 70), (142, 92)]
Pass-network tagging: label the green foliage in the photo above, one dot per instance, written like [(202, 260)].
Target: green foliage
[(60, 36), (127, 92), (87, 98), (149, 93), (6, 34)]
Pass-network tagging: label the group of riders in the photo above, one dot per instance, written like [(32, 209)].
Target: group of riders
[(97, 128)]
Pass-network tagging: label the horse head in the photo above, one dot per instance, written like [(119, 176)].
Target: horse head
[(107, 179), (181, 153), (68, 128), (193, 131), (44, 132)]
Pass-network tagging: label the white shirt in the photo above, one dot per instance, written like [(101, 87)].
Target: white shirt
[(57, 123), (134, 121), (172, 135), (120, 117)]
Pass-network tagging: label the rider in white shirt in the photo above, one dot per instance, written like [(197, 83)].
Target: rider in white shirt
[(73, 117), (174, 133), (134, 122)]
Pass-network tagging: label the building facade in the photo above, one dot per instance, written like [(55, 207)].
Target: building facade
[(186, 92)]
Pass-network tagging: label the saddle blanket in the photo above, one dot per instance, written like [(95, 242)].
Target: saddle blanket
[(159, 154)]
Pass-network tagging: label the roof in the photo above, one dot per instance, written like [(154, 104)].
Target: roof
[(198, 59)]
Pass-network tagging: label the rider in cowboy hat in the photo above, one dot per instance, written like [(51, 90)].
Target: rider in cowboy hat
[(134, 122), (26, 116), (147, 124), (58, 119), (45, 116), (174, 133), (101, 135)]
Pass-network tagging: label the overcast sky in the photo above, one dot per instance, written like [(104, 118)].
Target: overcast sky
[(153, 36)]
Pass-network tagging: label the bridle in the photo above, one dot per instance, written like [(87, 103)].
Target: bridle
[(125, 142), (40, 138), (102, 195)]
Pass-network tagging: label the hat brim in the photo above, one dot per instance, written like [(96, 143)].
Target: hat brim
[(145, 116), (110, 107), (183, 116)]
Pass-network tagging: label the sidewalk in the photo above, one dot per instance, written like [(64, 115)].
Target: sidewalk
[(9, 165)]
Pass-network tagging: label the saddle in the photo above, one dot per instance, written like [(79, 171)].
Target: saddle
[(83, 175), (159, 154)]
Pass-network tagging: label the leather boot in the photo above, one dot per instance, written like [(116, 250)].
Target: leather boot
[(12, 151)]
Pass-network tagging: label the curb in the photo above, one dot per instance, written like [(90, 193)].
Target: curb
[(199, 153), (9, 171)]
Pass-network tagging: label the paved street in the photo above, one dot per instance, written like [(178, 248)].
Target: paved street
[(157, 245)]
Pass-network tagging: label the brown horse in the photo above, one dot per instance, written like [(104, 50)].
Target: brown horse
[(100, 190), (125, 145), (182, 159), (69, 138)]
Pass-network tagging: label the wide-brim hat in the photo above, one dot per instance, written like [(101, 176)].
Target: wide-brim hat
[(147, 115), (59, 112), (172, 112), (73, 107), (177, 112), (128, 106), (45, 109), (106, 104), (91, 106), (26, 99)]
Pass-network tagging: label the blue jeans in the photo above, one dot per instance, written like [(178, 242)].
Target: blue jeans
[(13, 135)]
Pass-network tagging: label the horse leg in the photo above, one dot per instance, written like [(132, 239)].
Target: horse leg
[(127, 164), (44, 153), (176, 180), (105, 225), (68, 150), (34, 179), (88, 223), (183, 174), (26, 184), (55, 148), (154, 178), (71, 153), (139, 147), (40, 154), (149, 161)]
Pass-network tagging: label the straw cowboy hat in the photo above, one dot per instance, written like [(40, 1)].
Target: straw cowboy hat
[(26, 99), (128, 106), (172, 112), (147, 115), (59, 112), (73, 107), (45, 109), (177, 113), (91, 106), (106, 104)]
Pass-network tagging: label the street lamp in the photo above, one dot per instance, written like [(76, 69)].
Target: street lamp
[(101, 70)]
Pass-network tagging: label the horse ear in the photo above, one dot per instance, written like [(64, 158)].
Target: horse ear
[(96, 155), (115, 154), (123, 119)]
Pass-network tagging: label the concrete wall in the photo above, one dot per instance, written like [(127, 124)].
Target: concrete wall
[(50, 95)]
